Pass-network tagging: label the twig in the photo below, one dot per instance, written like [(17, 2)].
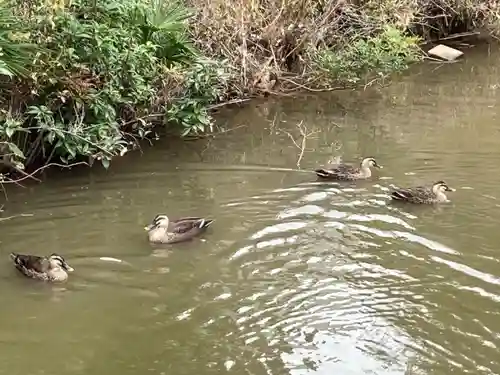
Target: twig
[(14, 216), (243, 51), (12, 166), (368, 84), (40, 169), (302, 147), (234, 101), (455, 36), (433, 60), (273, 123), (152, 115), (73, 134), (210, 135), (309, 88)]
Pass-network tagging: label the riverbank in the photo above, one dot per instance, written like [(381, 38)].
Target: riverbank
[(87, 80)]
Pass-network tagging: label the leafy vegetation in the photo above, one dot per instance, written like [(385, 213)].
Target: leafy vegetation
[(100, 75), (88, 79), (315, 44), (390, 51)]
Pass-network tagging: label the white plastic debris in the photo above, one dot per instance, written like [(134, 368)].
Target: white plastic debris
[(108, 259), (445, 52)]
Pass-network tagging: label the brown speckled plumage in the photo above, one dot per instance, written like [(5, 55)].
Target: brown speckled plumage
[(422, 194), (347, 172), (162, 230), (52, 268)]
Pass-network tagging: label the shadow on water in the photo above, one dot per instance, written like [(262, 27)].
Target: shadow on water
[(296, 276)]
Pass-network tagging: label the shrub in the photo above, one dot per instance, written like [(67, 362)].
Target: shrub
[(93, 86), (90, 78), (278, 46), (15, 52), (389, 51), (206, 82)]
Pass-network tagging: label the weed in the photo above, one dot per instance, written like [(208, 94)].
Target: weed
[(86, 79), (204, 83), (95, 79), (287, 42), (389, 51)]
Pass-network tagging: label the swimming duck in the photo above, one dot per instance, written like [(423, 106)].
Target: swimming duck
[(423, 194), (348, 172), (53, 268), (162, 230)]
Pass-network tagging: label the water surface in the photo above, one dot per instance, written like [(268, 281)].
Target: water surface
[(295, 277)]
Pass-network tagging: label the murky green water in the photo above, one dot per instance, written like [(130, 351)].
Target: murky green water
[(295, 277)]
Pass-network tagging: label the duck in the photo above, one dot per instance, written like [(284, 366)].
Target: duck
[(347, 172), (423, 194), (162, 230), (53, 268)]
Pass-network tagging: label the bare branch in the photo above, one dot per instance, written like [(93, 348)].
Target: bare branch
[(14, 216), (229, 102), (304, 135), (31, 175), (213, 134)]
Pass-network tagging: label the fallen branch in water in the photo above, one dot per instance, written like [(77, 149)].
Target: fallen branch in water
[(302, 146), (229, 102), (31, 175), (211, 135), (162, 114), (307, 88), (14, 216)]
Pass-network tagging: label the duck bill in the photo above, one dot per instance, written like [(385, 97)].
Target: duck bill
[(147, 228), (378, 166), (450, 189), (68, 268)]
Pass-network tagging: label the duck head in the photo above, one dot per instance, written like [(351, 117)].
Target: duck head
[(441, 187), (370, 162), (159, 221), (57, 261)]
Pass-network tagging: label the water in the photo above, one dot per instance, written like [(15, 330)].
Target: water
[(295, 277)]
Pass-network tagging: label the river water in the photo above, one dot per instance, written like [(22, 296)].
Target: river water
[(295, 276)]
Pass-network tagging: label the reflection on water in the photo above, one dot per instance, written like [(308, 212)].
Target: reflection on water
[(295, 276)]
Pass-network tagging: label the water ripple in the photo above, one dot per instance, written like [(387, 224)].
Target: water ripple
[(295, 276), (334, 290)]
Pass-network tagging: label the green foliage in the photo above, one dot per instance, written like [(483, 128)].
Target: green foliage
[(15, 52), (87, 78), (97, 75), (204, 83), (164, 25), (387, 52)]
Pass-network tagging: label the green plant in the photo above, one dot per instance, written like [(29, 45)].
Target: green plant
[(164, 24), (85, 78), (15, 52), (389, 51), (204, 83), (97, 72)]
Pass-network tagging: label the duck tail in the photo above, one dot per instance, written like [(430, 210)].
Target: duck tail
[(205, 223), (16, 259), (322, 172), (397, 195)]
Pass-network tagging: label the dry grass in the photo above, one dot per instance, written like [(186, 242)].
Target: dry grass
[(441, 18), (272, 43)]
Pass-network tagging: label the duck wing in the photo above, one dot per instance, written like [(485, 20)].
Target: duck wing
[(188, 224), (341, 171), (29, 262), (411, 193)]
